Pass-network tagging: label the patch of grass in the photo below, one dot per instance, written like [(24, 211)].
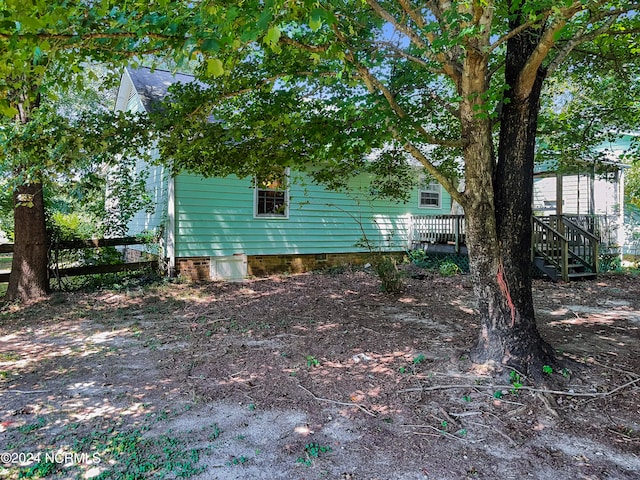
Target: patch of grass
[(9, 357), (5, 262)]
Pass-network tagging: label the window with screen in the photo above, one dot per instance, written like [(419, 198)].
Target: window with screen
[(272, 195), (430, 195)]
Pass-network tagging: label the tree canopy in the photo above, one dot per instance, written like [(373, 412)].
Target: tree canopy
[(314, 83), (326, 83)]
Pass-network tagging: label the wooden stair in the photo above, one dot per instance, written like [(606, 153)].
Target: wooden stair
[(563, 250)]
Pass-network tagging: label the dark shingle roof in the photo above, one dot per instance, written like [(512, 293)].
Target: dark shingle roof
[(153, 86)]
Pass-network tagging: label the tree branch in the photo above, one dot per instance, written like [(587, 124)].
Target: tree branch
[(303, 46), (528, 74), (431, 168), (449, 67), (90, 36), (579, 39), (516, 31)]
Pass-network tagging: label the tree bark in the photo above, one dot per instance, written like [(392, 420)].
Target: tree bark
[(29, 279), (502, 270)]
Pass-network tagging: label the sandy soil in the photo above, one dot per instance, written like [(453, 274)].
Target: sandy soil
[(312, 377)]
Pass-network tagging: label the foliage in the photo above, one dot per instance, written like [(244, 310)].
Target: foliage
[(446, 265), (311, 451), (449, 268), (386, 267), (331, 86)]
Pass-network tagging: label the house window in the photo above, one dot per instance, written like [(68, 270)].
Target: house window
[(272, 196), (430, 195)]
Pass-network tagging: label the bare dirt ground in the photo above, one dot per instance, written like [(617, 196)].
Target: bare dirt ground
[(312, 377)]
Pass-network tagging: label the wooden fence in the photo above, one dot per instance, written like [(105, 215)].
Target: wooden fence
[(88, 269)]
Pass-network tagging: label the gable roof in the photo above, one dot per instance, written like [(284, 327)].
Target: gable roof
[(153, 85)]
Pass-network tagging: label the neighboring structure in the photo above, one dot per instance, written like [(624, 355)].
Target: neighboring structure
[(232, 227), (591, 194)]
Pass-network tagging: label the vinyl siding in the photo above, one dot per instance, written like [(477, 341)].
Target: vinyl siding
[(576, 192), (216, 217), (156, 186)]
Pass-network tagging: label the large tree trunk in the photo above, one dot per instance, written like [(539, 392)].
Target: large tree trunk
[(29, 278), (502, 268)]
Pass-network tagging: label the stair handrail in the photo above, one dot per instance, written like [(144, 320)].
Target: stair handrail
[(560, 242), (594, 245)]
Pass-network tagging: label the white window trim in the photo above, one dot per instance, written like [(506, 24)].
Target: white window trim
[(271, 216), (438, 191)]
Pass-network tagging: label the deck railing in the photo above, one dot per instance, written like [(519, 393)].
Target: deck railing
[(602, 226), (438, 229), (549, 243), (561, 242)]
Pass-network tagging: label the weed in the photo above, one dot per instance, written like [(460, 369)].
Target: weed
[(216, 432), (449, 268), (565, 372), (419, 359), (497, 394), (41, 469), (546, 369), (402, 370), (386, 268), (252, 406), (9, 357), (31, 427), (129, 455), (312, 361), (467, 398), (311, 451), (237, 460), (516, 381)]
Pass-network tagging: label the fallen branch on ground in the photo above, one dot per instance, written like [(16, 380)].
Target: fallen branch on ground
[(346, 404), (523, 388)]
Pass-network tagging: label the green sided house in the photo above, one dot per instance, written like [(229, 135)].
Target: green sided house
[(230, 227)]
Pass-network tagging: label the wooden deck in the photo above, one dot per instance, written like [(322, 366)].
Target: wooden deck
[(563, 248), (429, 231)]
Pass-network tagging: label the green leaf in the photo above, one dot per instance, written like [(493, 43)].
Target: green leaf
[(273, 36), (315, 22), (215, 67), (7, 110)]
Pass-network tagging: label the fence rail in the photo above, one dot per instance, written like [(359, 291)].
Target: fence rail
[(89, 269)]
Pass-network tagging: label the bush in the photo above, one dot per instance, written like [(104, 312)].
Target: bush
[(391, 277), (449, 268)]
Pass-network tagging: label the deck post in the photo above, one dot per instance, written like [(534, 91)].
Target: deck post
[(565, 259)]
